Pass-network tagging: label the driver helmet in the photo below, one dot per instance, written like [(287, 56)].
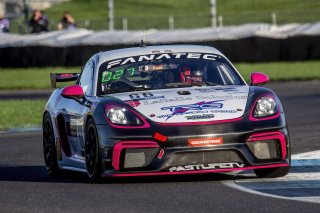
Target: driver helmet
[(191, 75)]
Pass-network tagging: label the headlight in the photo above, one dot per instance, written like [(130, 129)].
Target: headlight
[(122, 116), (265, 106)]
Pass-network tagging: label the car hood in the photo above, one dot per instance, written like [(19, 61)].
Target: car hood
[(191, 104)]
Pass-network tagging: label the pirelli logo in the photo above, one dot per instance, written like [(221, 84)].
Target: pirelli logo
[(205, 141)]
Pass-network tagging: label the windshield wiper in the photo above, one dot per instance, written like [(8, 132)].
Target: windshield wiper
[(142, 87), (126, 86), (209, 83), (188, 84), (134, 85)]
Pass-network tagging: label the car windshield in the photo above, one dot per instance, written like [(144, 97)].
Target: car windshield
[(163, 71)]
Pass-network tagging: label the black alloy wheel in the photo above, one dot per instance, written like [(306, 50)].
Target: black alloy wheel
[(49, 148), (92, 156)]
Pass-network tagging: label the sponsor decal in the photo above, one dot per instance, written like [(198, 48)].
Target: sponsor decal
[(144, 96), (224, 97), (151, 57), (167, 100), (205, 141), (203, 105), (228, 90), (199, 112), (199, 117), (191, 112), (214, 89), (206, 166), (160, 154), (133, 103), (224, 111)]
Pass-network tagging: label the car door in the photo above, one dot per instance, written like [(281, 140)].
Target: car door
[(74, 112)]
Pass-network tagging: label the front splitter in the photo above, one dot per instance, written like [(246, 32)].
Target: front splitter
[(137, 174)]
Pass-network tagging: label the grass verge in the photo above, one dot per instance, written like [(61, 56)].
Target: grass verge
[(29, 78), (21, 113), (283, 71)]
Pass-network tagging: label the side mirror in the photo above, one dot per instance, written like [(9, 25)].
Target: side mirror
[(258, 79), (74, 92)]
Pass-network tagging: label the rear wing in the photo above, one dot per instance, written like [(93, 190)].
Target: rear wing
[(62, 77)]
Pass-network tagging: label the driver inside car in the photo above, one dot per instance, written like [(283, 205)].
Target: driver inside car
[(191, 75)]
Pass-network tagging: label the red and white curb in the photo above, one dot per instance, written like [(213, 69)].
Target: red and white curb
[(301, 184)]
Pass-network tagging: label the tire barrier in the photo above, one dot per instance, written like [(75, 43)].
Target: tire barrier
[(246, 43)]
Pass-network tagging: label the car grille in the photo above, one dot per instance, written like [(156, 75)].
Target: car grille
[(202, 157)]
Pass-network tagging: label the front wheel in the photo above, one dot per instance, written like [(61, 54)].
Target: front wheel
[(275, 172), (92, 157), (272, 173)]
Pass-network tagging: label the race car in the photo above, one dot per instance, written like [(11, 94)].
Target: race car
[(164, 110)]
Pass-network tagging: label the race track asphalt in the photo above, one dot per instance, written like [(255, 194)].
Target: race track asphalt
[(25, 187)]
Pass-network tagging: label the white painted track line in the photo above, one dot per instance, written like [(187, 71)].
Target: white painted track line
[(301, 184)]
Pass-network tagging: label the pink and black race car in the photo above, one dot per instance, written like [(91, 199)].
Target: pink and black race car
[(164, 110)]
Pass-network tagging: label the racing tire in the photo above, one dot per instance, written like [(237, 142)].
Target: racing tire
[(92, 156), (49, 147), (275, 172), (272, 173)]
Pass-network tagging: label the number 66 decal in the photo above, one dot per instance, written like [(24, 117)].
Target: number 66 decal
[(138, 95)]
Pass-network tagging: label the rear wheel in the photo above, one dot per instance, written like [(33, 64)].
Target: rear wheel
[(92, 157), (49, 148)]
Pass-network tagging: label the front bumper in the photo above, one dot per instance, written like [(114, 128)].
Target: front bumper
[(261, 150)]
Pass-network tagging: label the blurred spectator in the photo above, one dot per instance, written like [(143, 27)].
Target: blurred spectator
[(4, 23), (39, 22), (66, 22)]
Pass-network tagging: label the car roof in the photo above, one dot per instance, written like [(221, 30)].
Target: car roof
[(157, 49)]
